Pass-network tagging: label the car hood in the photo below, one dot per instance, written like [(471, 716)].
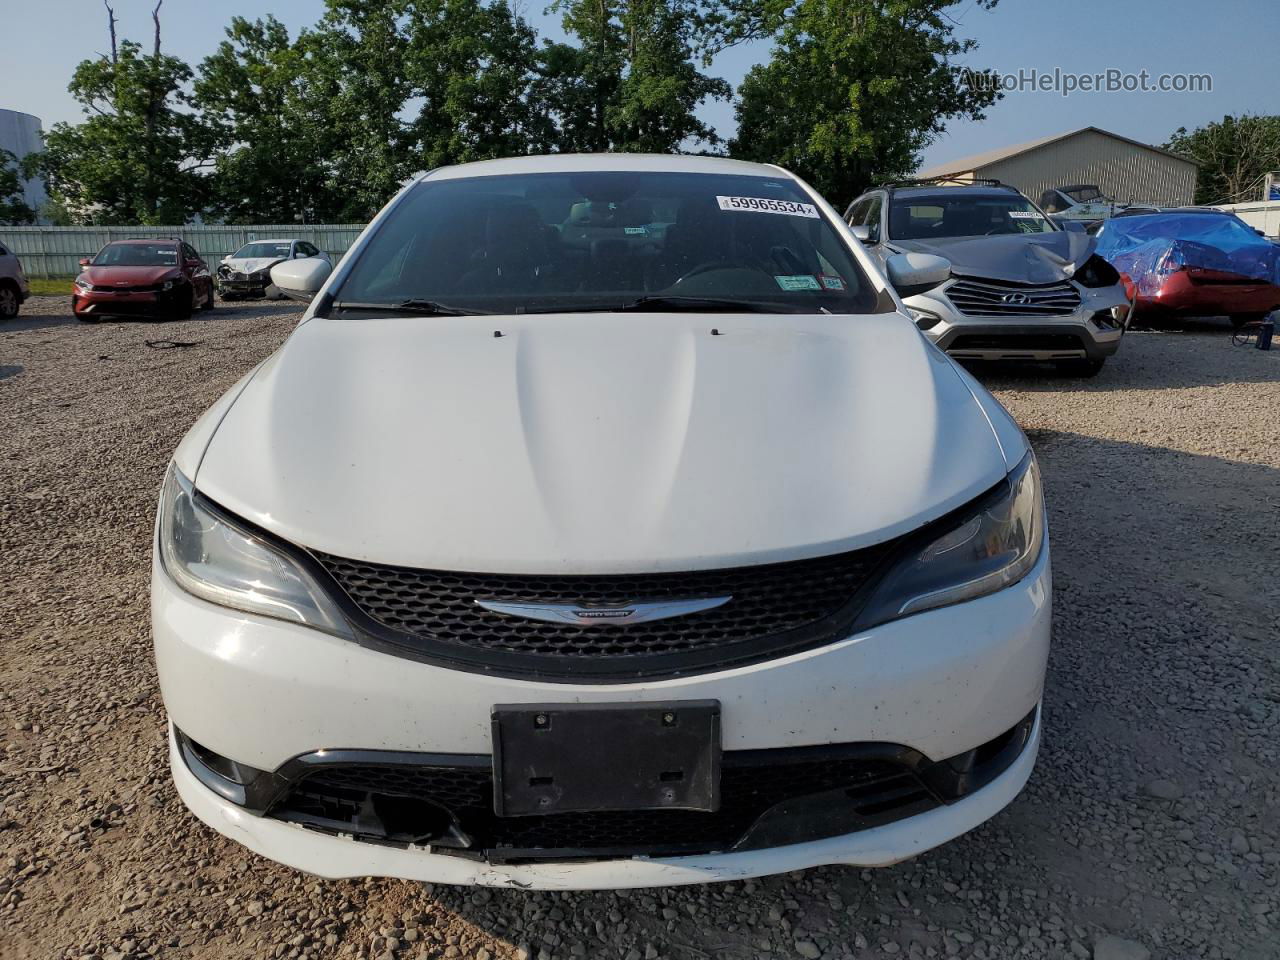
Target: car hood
[(592, 443), (110, 276), (251, 264), (1016, 258)]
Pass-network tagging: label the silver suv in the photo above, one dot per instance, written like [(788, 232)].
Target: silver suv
[(1022, 288), (13, 284)]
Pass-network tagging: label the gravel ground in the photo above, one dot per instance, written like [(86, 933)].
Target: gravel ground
[(1150, 823)]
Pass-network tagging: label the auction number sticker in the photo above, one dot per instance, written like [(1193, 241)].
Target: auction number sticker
[(801, 281), (764, 205), (1025, 215)]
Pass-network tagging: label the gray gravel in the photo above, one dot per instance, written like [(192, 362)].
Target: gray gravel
[(1150, 827)]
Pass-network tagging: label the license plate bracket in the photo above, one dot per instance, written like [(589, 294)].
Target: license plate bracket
[(579, 757)]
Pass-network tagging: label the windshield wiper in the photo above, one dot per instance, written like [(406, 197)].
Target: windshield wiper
[(418, 307)]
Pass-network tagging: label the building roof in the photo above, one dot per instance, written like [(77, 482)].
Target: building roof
[(979, 160)]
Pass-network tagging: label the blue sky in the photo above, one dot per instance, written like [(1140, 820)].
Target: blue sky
[(1234, 43)]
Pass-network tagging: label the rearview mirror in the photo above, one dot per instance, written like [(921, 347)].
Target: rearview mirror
[(84, 261), (862, 232), (301, 279), (913, 273)]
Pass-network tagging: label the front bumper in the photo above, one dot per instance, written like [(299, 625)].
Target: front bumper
[(248, 287), (1087, 333), (264, 692), (132, 303), (340, 857)]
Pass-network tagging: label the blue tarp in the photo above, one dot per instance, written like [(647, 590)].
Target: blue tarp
[(1151, 246)]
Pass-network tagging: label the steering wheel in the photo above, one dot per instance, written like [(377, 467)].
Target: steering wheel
[(717, 265)]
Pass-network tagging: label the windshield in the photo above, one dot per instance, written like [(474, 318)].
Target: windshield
[(262, 249), (596, 241), (956, 214), (137, 255)]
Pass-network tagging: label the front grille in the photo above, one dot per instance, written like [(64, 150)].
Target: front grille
[(877, 790), (143, 288), (993, 298), (775, 607)]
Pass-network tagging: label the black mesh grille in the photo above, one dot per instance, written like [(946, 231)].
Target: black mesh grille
[(774, 607), (995, 298), (1015, 342), (880, 790)]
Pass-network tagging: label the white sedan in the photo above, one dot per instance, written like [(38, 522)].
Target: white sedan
[(606, 522)]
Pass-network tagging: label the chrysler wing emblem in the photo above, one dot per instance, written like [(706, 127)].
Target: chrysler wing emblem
[(621, 614)]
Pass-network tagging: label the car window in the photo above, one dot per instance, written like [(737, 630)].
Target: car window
[(961, 214), (856, 213), (3, 251), (592, 240), (137, 255), (307, 249), (190, 252), (1052, 202)]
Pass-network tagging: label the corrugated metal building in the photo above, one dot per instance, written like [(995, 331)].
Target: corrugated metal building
[(1124, 169), (20, 135)]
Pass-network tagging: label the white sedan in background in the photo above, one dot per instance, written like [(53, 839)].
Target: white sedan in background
[(246, 274), (605, 522)]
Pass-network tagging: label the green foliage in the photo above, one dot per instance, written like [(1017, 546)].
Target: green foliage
[(13, 209), (631, 84), (855, 88), (1235, 154), (269, 129), (325, 126), (134, 159)]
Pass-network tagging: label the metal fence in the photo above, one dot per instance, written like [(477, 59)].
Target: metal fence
[(56, 251)]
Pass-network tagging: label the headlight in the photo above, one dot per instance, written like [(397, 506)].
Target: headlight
[(990, 546), (167, 285), (215, 559), (924, 318), (83, 284)]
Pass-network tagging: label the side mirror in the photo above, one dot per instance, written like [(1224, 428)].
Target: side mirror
[(301, 279), (862, 232), (85, 261), (913, 273)]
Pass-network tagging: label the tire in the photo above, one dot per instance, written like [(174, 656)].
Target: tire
[(9, 302), (208, 300), (1081, 369), (183, 306), (1238, 320)]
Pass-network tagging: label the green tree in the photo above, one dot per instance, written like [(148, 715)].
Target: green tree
[(13, 208), (472, 67), (855, 89), (357, 62), (269, 127), (136, 156), (1235, 154), (631, 83)]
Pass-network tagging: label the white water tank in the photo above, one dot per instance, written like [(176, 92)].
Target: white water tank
[(20, 135)]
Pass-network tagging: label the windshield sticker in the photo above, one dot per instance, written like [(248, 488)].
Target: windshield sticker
[(1025, 215), (829, 282), (803, 281), (764, 205), (635, 231)]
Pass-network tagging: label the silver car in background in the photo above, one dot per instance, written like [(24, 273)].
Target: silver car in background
[(1022, 288)]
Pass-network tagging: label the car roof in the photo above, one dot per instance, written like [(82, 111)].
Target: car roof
[(112, 243), (605, 162), (271, 240), (940, 188)]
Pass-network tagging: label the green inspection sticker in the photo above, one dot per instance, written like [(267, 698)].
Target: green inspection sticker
[(802, 281)]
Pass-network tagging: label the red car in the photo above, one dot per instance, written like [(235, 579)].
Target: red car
[(162, 278), (1192, 262)]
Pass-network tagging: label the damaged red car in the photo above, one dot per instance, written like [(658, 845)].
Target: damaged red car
[(1193, 263), (161, 278)]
